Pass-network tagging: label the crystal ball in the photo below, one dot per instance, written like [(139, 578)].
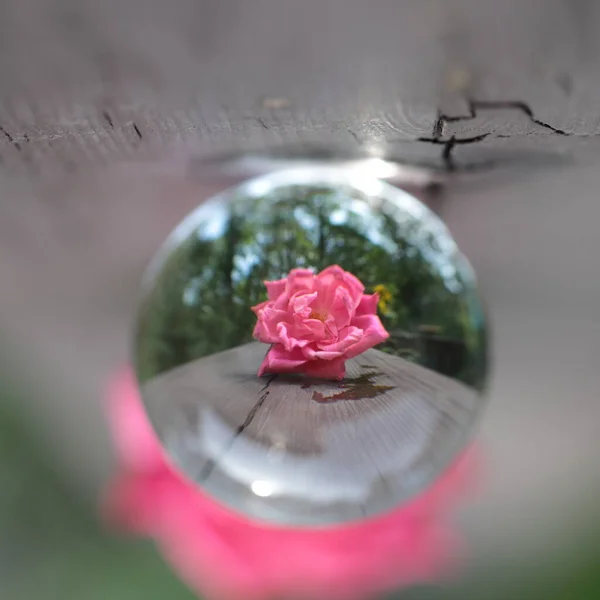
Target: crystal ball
[(291, 448)]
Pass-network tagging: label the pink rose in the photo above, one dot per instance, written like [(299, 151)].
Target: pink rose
[(316, 322), (223, 556)]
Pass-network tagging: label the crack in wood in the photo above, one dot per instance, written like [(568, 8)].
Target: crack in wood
[(448, 146), (474, 107), (108, 119), (10, 138), (355, 136), (137, 130), (210, 464), (261, 400)]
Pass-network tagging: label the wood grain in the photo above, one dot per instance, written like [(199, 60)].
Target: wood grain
[(332, 451), (93, 82)]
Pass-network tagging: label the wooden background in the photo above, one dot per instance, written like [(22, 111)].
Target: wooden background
[(88, 82)]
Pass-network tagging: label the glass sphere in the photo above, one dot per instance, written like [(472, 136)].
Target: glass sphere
[(288, 448)]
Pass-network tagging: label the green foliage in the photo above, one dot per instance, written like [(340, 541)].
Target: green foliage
[(200, 302)]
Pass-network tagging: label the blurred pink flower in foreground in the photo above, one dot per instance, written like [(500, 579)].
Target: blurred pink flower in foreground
[(224, 556), (316, 322)]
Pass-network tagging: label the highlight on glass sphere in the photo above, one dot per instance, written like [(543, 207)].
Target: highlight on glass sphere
[(311, 347)]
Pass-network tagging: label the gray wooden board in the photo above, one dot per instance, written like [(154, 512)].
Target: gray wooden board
[(326, 459), (92, 82)]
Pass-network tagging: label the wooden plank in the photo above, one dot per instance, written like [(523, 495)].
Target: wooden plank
[(331, 451), (89, 82)]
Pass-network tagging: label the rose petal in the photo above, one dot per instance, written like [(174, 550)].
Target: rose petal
[(367, 305), (342, 308), (333, 277), (373, 333), (279, 360), (266, 328), (325, 369), (300, 303), (275, 288), (258, 308), (311, 329), (336, 272), (300, 280), (349, 337), (289, 341)]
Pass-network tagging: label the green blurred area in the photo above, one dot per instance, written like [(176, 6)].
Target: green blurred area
[(53, 545)]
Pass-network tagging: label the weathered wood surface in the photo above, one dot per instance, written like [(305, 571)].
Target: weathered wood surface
[(330, 451), (88, 82)]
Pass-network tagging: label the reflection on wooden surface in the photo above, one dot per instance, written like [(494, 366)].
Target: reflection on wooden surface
[(362, 444)]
